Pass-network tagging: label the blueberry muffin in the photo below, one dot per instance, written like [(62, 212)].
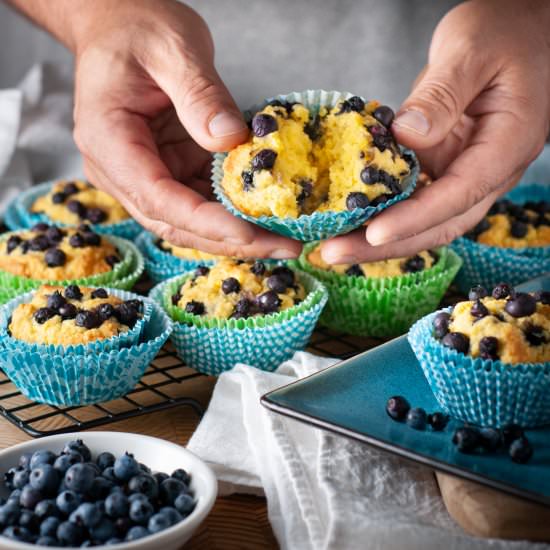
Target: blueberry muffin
[(513, 327), (511, 225), (48, 252), (73, 202), (184, 253), (386, 268), (236, 289), (299, 162), (73, 315)]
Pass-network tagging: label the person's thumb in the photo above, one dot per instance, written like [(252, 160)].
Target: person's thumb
[(434, 107)]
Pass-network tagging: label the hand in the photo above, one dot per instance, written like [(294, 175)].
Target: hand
[(479, 113), (148, 105)]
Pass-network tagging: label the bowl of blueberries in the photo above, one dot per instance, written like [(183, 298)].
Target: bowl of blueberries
[(104, 490)]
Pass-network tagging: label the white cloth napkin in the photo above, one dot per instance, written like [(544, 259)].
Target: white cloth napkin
[(323, 491)]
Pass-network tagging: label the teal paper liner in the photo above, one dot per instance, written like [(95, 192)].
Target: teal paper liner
[(161, 265), (127, 229), (73, 380), (489, 265), (11, 218), (483, 392), (319, 225), (217, 349), (119, 341)]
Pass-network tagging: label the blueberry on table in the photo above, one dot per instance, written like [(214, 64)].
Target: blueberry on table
[(397, 407), (126, 467), (231, 285), (511, 432), (521, 305), (356, 200), (502, 290), (479, 310), (457, 341), (264, 160), (73, 292), (416, 418), (195, 308), (521, 450), (491, 439), (477, 293), (355, 270), (269, 302), (264, 124), (384, 115), (466, 439), (441, 324), (438, 421)]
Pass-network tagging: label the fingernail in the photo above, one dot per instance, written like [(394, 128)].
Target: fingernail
[(337, 259), (378, 240), (226, 124), (414, 121), (283, 254)]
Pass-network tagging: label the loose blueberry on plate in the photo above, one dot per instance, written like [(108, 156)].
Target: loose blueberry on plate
[(466, 439), (397, 407), (438, 421), (510, 433), (521, 450), (491, 439), (416, 418)]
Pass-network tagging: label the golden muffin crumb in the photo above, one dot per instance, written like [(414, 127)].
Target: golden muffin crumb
[(73, 315), (47, 252), (298, 162), (72, 202), (235, 289)]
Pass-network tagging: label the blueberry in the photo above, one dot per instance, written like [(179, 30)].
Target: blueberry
[(441, 324), (478, 310), (126, 467), (534, 335), (87, 319), (55, 300), (312, 128), (39, 243), (137, 496), (276, 283), (269, 302), (99, 293), (48, 528), (264, 160), (29, 520), (54, 234), (264, 124), (46, 541), (457, 341), (25, 461), (116, 505), (413, 264), (112, 259), (144, 483), (141, 511), (356, 200), (41, 457), (157, 523), (242, 309), (195, 308), (481, 227), (258, 268), (231, 285), (15, 495), (77, 240), (70, 534), (355, 270), (542, 296), (488, 348), (501, 291), (95, 215), (122, 526), (20, 478), (45, 478), (138, 532), (491, 439), (68, 311), (160, 477), (307, 190), (109, 473), (182, 475), (39, 227), (437, 421), (521, 450), (79, 477), (248, 180), (169, 490), (55, 257), (370, 175), (8, 477), (73, 292), (202, 271), (466, 439), (59, 197), (416, 418), (76, 207), (518, 229), (100, 489), (285, 273), (104, 460), (46, 508), (91, 238), (356, 103), (29, 497), (9, 513), (384, 115), (397, 407), (477, 293), (184, 504), (87, 514), (13, 242), (522, 305), (41, 315), (510, 433), (17, 533), (67, 501), (70, 188)]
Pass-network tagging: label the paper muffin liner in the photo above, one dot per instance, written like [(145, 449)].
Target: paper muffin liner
[(127, 229), (124, 339), (483, 392), (386, 306), (212, 346), (489, 265), (83, 379), (319, 225), (11, 218), (161, 265), (123, 275)]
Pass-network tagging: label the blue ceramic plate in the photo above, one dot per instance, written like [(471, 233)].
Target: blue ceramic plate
[(349, 399)]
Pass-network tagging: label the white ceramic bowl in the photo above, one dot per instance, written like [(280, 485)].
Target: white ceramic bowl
[(159, 455)]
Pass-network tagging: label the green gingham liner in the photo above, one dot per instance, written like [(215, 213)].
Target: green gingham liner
[(383, 306), (124, 339), (489, 265), (161, 265), (319, 225), (127, 229), (123, 275), (212, 346), (73, 380), (483, 392)]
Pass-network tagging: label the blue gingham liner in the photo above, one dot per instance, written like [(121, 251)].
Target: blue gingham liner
[(214, 350), (128, 229), (490, 265), (124, 339), (162, 265), (483, 392), (319, 225), (84, 379)]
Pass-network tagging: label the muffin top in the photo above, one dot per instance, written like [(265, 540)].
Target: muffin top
[(72, 315), (298, 162), (185, 253), (514, 226), (47, 252), (508, 325), (235, 289), (384, 268), (72, 202)]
